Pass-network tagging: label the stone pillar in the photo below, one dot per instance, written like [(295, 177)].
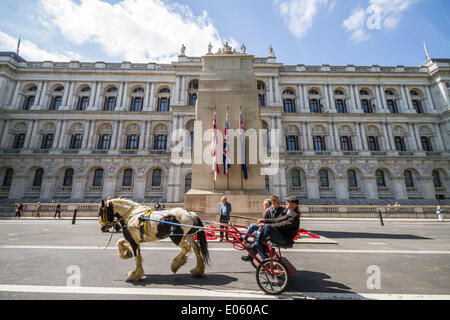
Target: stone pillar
[(277, 97), (16, 96), (440, 146), (412, 140), (283, 182), (417, 135), (312, 185), (109, 186), (78, 186), (363, 137), (97, 102), (92, 96), (427, 189), (341, 188), (5, 137), (431, 106), (66, 94), (387, 145), (370, 188), (304, 137), (139, 187), (71, 98), (146, 97), (151, 106), (61, 136), (336, 136), (399, 188), (18, 186), (359, 144), (43, 97), (91, 138), (48, 187), (327, 98), (270, 92), (34, 136)]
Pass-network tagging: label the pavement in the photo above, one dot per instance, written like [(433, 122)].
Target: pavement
[(51, 259)]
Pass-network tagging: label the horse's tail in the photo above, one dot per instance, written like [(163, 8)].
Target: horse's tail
[(202, 241)]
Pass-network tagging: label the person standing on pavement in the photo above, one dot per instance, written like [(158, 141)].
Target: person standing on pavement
[(37, 210), (19, 210), (224, 216), (440, 213), (58, 211)]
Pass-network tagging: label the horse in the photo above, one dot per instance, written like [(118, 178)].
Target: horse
[(180, 227)]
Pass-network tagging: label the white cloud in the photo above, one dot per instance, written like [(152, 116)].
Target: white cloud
[(133, 30), (379, 15), (30, 51), (299, 14)]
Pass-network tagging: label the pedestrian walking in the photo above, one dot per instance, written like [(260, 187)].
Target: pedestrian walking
[(58, 211), (440, 213), (224, 216), (19, 210), (37, 210)]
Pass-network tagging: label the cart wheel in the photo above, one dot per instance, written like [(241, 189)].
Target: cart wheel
[(278, 283)]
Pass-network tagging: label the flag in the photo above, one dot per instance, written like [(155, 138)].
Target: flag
[(18, 46), (226, 150), (243, 151), (215, 166)]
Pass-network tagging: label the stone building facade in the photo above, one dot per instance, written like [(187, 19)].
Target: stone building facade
[(78, 131)]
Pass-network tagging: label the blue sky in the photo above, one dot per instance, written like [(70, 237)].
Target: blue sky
[(310, 32)]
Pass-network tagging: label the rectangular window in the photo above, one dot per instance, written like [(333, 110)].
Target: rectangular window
[(19, 141), (47, 141), (340, 106), (56, 103), (399, 144), (314, 106), (192, 99), (133, 142), (136, 104), (373, 143), (262, 100), (83, 103), (160, 143), (392, 106), (29, 101), (98, 178), (417, 106), (110, 104), (163, 105), (76, 141), (426, 144), (104, 142), (319, 143), (292, 143), (289, 105), (367, 108), (346, 143)]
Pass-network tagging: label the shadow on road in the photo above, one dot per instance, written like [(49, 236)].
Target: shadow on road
[(305, 282), (364, 235), (186, 280)]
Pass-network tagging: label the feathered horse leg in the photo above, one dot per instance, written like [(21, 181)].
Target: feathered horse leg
[(181, 259), (199, 270), (125, 250), (138, 272)]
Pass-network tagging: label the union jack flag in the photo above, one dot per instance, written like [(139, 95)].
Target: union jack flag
[(215, 165), (226, 150)]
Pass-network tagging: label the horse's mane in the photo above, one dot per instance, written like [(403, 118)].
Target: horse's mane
[(128, 201)]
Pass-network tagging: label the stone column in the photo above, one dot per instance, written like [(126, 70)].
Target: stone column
[(16, 96), (312, 185), (151, 106), (277, 91), (406, 108), (439, 140), (35, 106), (66, 93), (139, 187), (431, 106), (327, 98), (34, 136), (92, 96), (417, 135), (304, 137), (270, 92), (97, 103), (412, 139), (177, 94), (109, 185), (305, 99), (142, 135), (87, 127), (183, 91), (146, 97), (390, 136), (58, 134), (309, 137), (336, 136), (62, 135), (387, 145), (78, 186), (359, 144), (5, 137), (30, 127), (283, 182), (330, 137), (18, 186), (427, 189), (370, 188), (363, 137), (341, 188), (70, 101), (120, 96), (43, 97), (48, 187), (399, 188)]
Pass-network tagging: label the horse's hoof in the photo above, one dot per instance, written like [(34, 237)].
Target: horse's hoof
[(196, 274)]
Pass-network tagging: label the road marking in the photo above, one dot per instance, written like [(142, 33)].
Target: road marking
[(216, 294), (225, 249), (377, 243)]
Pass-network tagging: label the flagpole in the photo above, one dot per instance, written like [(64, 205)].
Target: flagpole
[(214, 173), (242, 173), (228, 169)]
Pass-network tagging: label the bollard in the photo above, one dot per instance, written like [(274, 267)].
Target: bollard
[(74, 216), (381, 218)]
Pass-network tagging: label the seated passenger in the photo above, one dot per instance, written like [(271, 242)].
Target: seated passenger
[(281, 230)]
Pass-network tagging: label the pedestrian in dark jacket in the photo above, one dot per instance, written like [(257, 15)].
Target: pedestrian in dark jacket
[(281, 230), (58, 211), (224, 216), (19, 210)]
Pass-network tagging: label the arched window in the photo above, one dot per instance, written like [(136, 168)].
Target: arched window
[(68, 178), (292, 143), (409, 179), (156, 178), (323, 175), (436, 179), (137, 100), (39, 174), (193, 89), (381, 183), (127, 178), (188, 182), (295, 178), (352, 181), (98, 178), (313, 92), (7, 180), (164, 100)]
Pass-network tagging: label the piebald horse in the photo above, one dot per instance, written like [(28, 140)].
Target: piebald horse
[(136, 230)]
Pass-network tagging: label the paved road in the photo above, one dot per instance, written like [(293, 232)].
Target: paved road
[(403, 259)]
